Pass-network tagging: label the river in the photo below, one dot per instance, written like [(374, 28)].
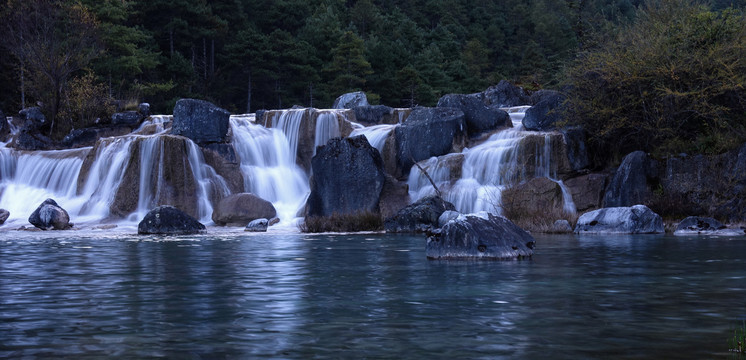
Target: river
[(229, 294)]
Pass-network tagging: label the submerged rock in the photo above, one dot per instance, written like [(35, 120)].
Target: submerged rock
[(50, 216), (258, 225), (201, 121), (240, 209), (347, 178), (696, 225), (638, 219), (475, 238), (420, 216), (4, 215), (168, 220), (351, 100)]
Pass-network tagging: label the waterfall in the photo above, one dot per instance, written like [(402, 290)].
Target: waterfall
[(489, 168), (288, 122), (105, 175), (327, 127), (376, 134), (208, 181)]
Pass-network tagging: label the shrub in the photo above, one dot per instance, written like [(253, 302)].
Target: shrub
[(360, 221)]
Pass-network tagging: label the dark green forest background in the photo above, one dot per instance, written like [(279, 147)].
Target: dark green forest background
[(73, 57)]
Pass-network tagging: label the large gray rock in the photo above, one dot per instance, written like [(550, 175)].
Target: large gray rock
[(168, 220), (201, 121), (479, 117), (577, 152), (629, 185), (545, 113), (4, 215), (240, 209), (696, 225), (351, 100), (505, 94), (472, 237), (429, 132), (536, 196), (638, 219), (50, 216), (347, 178), (374, 114), (421, 216)]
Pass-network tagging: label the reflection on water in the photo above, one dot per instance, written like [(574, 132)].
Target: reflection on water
[(95, 294)]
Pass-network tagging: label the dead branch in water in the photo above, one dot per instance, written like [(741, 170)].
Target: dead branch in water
[(437, 191)]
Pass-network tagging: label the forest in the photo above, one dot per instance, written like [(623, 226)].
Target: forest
[(83, 59)]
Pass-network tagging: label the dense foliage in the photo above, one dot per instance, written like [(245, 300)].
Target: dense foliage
[(672, 81)]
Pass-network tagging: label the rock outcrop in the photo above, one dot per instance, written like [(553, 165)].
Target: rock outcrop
[(421, 216), (505, 94), (577, 152), (638, 219), (351, 100), (536, 196), (347, 178), (479, 117), (429, 132), (629, 185), (475, 238), (374, 114), (168, 220), (241, 209), (587, 191), (201, 121), (50, 216), (545, 113)]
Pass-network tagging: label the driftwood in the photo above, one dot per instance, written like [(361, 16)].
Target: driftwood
[(437, 191)]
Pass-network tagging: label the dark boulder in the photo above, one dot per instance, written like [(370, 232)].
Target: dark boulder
[(144, 109), (429, 132), (4, 127), (421, 216), (240, 209), (201, 121), (696, 225), (638, 219), (49, 216), (258, 225), (127, 118), (33, 118), (347, 178), (168, 220), (89, 136), (4, 215), (373, 114), (505, 94), (478, 116), (587, 191), (32, 140), (577, 152), (544, 115), (629, 186), (351, 100), (475, 238)]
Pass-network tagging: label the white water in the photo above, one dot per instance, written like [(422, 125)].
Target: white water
[(487, 170), (327, 127), (376, 134)]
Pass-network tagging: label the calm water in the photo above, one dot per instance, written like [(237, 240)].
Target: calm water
[(102, 294)]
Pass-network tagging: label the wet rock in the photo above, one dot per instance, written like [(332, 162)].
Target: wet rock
[(89, 136), (4, 215), (373, 114), (505, 94), (475, 238), (201, 121), (351, 100), (638, 219), (587, 191), (127, 118), (224, 160), (258, 225), (168, 220), (447, 216), (144, 109), (545, 113), (420, 216), (577, 152), (479, 117), (50, 216), (429, 132), (347, 178), (240, 209), (394, 196), (629, 185), (535, 196), (32, 140), (696, 225)]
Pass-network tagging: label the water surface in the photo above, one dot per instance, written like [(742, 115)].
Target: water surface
[(93, 294)]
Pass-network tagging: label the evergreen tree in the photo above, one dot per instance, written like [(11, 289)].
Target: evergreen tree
[(349, 68)]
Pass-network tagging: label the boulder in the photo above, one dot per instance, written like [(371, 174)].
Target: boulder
[(223, 159), (421, 216), (4, 215), (240, 209), (347, 178), (696, 225), (4, 127), (429, 132), (447, 216), (629, 185), (577, 152), (33, 118), (201, 121), (535, 196), (638, 219), (126, 118), (561, 226), (351, 100), (475, 238), (374, 114), (479, 117), (505, 94), (587, 191), (257, 225), (394, 196), (546, 112), (89, 136), (49, 216), (168, 220), (144, 109), (32, 140)]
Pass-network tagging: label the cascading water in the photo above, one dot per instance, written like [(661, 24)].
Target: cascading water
[(327, 127), (487, 170), (376, 134)]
